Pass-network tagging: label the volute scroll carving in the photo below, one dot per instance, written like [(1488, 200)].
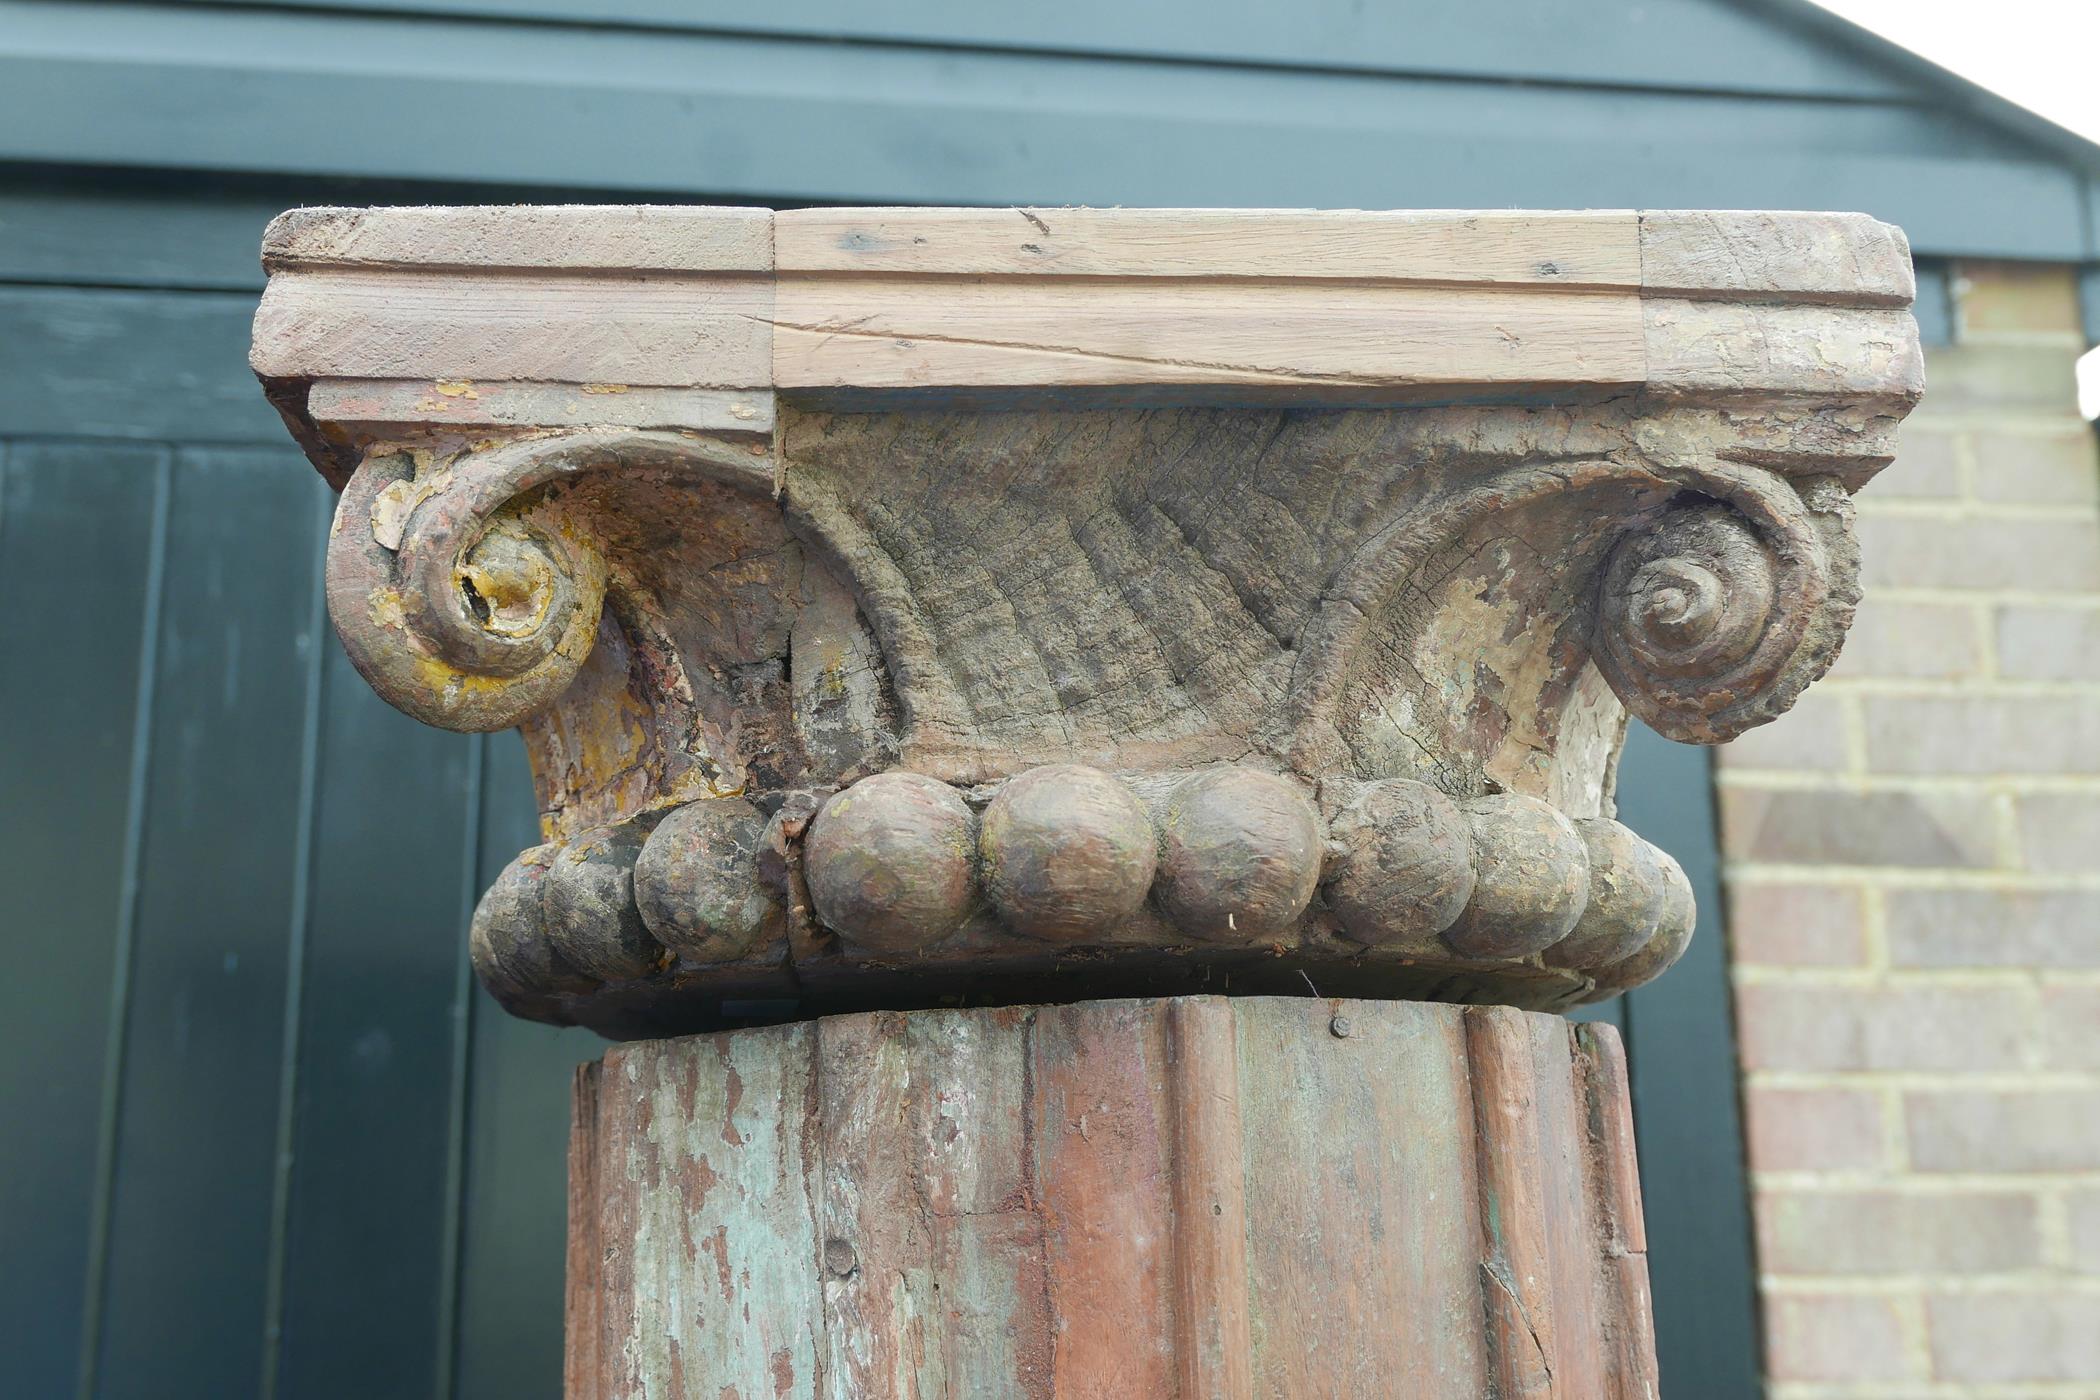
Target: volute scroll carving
[(1716, 617), (467, 588), (907, 619)]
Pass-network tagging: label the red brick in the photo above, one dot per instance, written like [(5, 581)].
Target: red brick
[(1980, 734), (1813, 1129), (2014, 1130), (2026, 1336), (1796, 925), (1994, 928), (1835, 1337), (1884, 1232), (1791, 826), (1791, 1026)]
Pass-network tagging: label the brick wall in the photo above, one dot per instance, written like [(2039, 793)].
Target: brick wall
[(1913, 864)]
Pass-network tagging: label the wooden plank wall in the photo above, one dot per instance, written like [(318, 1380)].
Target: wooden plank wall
[(1630, 103), (269, 1140), (270, 1144)]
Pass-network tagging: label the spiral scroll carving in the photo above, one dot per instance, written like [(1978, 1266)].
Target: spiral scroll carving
[(1717, 617), (1727, 595), (468, 593)]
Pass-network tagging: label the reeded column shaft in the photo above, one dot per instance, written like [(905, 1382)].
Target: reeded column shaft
[(1187, 1197)]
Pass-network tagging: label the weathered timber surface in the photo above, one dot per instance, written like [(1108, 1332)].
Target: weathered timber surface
[(1196, 1197), (911, 607), (649, 304)]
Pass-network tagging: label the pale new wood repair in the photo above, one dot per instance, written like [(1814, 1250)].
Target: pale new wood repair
[(1424, 247), (908, 332), (1034, 305)]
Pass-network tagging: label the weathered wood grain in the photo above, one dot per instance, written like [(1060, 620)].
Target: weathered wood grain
[(1575, 248), (1142, 305), (1841, 259), (701, 329), (1629, 1322), (582, 1324), (625, 238), (1521, 1339), (1197, 1197), (707, 1223), (1214, 1337), (916, 333), (1718, 350), (393, 407)]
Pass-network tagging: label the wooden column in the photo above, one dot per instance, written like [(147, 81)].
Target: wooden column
[(992, 675), (1194, 1196)]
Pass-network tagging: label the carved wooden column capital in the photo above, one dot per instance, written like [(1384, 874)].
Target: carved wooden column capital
[(904, 606)]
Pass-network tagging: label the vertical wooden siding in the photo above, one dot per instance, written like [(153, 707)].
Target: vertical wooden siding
[(263, 1141)]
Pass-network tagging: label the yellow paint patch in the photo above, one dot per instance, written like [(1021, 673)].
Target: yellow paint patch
[(456, 389), (389, 608), (449, 683), (397, 500)]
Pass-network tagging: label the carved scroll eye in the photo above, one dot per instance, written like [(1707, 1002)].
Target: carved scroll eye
[(521, 596), (509, 583), (486, 604), (1716, 617), (1692, 596), (468, 593)]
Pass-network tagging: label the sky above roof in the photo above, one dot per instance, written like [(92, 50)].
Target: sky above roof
[(2042, 54)]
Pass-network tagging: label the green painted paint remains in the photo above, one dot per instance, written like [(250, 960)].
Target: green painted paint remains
[(1310, 1099), (735, 1113)]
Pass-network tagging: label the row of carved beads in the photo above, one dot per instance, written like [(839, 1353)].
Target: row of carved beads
[(1070, 855), (625, 902)]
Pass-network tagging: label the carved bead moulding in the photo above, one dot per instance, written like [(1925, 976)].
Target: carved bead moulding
[(905, 606)]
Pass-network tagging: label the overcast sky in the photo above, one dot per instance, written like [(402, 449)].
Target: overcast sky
[(2043, 54)]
